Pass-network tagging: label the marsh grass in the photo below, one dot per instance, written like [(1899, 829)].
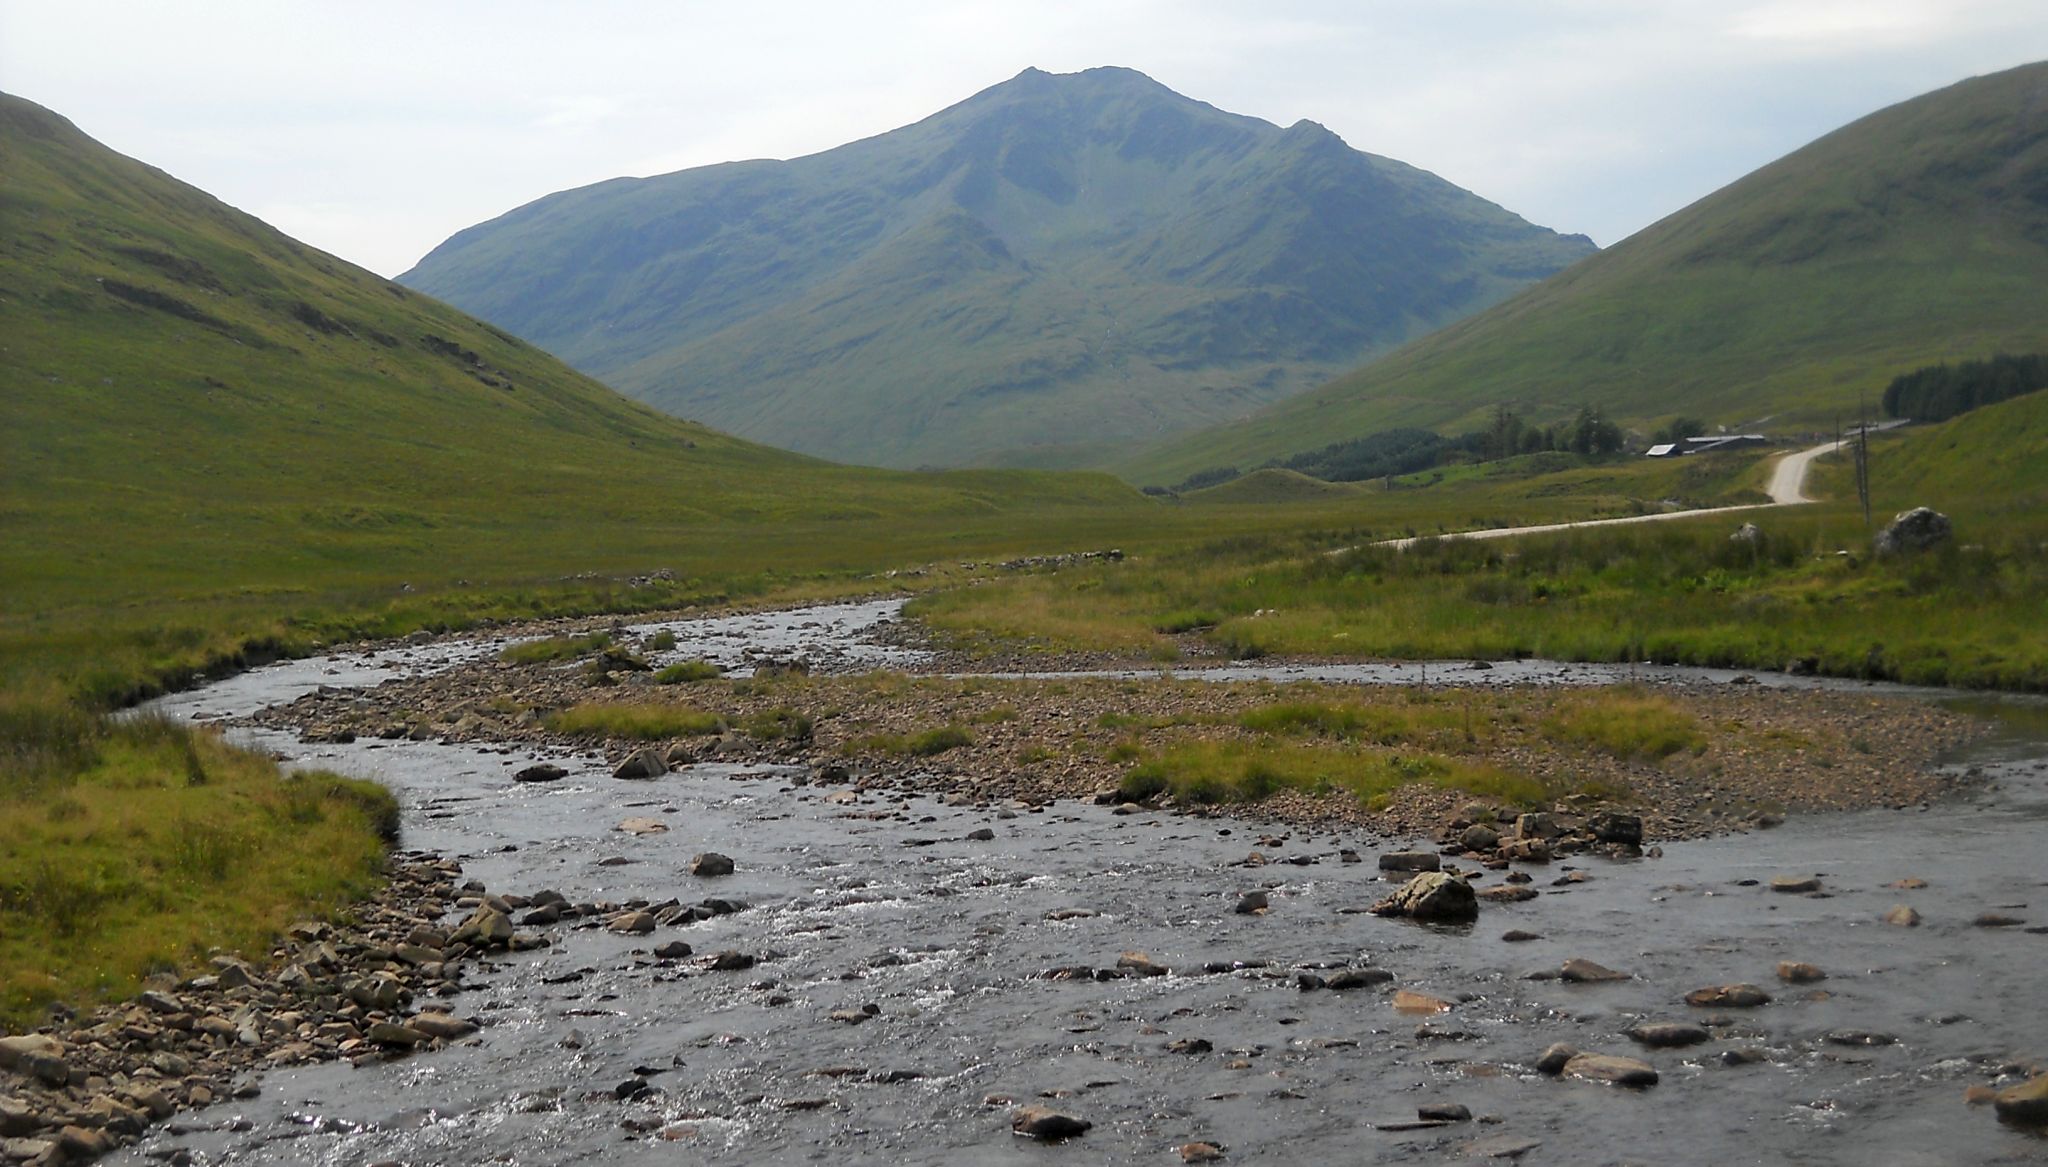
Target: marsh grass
[(633, 722), (1248, 771), (924, 744), (1627, 723), (778, 724), (686, 672), (125, 866), (554, 648)]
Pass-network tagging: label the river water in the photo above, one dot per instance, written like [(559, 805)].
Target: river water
[(886, 903)]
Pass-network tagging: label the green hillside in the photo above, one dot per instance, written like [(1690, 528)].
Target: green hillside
[(1917, 234), (1039, 275), (209, 427)]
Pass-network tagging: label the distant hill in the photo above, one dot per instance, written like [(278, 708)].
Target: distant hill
[(197, 408), (1042, 274), (1915, 235)]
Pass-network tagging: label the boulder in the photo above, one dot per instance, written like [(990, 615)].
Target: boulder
[(1138, 964), (1042, 1122), (543, 772), (1667, 1034), (1728, 997), (486, 926), (1919, 529), (1411, 861), (1252, 903), (2025, 1103), (1580, 971), (643, 764), (1609, 1068), (1798, 972), (1538, 825), (711, 863), (1433, 895), (1614, 827), (16, 1051), (1902, 916), (1554, 1059), (631, 923), (1479, 837)]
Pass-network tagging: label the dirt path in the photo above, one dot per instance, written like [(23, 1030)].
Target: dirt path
[(1787, 487)]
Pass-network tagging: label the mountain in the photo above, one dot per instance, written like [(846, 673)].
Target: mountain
[(198, 410), (1914, 235), (1046, 272)]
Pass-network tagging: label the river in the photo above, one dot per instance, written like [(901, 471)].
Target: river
[(887, 903)]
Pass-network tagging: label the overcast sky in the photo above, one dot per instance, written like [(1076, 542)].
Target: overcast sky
[(375, 129)]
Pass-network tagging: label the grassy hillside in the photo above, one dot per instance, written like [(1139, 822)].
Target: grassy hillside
[(210, 428), (1917, 234), (1036, 276)]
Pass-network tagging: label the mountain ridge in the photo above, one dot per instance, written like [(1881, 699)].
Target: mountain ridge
[(1057, 258), (1915, 234)]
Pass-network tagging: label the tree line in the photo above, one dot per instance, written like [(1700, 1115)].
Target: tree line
[(1940, 392)]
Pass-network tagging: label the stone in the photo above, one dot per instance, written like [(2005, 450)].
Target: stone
[(711, 864), (1407, 1001), (1619, 1071), (1479, 837), (379, 991), (1443, 1112), (642, 825), (18, 1118), (1357, 978), (1190, 1045), (1538, 825), (1526, 850), (1916, 530), (1501, 1147), (1554, 1058), (981, 835), (1614, 827), (644, 764), (1798, 972), (731, 962), (1518, 936), (1902, 916), (1508, 893), (1742, 996), (1252, 903), (1200, 1152), (1411, 861), (441, 1026), (671, 950), (1795, 884), (486, 926), (1580, 971), (80, 1143), (16, 1051), (2024, 1103), (1041, 1122), (541, 772), (631, 923), (1996, 920), (1138, 964), (390, 1033), (1667, 1034), (1433, 895)]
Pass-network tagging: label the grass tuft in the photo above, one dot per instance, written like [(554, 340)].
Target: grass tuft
[(633, 722)]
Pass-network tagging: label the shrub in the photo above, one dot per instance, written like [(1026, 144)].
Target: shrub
[(686, 672), (554, 648), (636, 722)]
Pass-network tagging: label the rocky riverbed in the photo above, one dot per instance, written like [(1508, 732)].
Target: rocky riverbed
[(762, 959)]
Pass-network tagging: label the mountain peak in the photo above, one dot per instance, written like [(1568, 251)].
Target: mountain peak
[(1060, 258)]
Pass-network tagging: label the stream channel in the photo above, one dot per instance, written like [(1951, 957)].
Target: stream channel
[(948, 937)]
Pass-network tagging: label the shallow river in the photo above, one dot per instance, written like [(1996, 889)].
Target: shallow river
[(947, 938)]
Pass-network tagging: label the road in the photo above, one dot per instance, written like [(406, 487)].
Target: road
[(1787, 487)]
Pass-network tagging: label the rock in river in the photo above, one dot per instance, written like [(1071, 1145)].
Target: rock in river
[(541, 772), (1608, 1068), (1902, 916), (1667, 1034), (1798, 972), (1410, 861), (1041, 1122), (711, 863), (1728, 997), (1431, 896), (1581, 971), (645, 763), (2026, 1102)]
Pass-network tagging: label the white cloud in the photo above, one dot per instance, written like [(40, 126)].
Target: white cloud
[(376, 129)]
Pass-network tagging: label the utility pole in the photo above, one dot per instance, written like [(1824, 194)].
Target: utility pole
[(1863, 458)]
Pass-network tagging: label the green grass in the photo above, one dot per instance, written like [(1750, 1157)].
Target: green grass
[(924, 744), (777, 724), (686, 672), (633, 722), (554, 648), (138, 847), (1626, 724), (1239, 771), (1782, 296)]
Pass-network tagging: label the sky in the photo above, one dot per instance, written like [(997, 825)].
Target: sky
[(375, 130)]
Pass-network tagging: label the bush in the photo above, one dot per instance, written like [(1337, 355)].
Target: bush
[(554, 648), (686, 672)]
